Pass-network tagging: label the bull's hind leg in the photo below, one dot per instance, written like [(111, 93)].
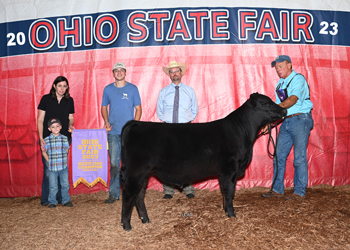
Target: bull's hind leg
[(140, 203), (131, 190), (228, 186), (127, 206)]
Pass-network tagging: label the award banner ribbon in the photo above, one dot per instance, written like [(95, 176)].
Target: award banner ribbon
[(89, 157)]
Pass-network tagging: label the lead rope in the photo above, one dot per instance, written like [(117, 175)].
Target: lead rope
[(274, 150), (269, 128)]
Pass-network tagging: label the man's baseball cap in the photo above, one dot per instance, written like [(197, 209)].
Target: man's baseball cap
[(119, 65), (54, 120), (280, 59)]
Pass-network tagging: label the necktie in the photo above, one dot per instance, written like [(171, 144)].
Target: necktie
[(176, 106)]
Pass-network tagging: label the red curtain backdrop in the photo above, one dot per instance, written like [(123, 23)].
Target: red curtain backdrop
[(223, 77)]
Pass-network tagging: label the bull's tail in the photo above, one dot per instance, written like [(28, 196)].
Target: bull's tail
[(122, 173), (124, 138), (122, 170)]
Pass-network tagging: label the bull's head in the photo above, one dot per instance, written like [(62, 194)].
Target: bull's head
[(265, 105)]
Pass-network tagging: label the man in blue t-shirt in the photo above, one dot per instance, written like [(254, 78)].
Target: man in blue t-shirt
[(124, 103), (292, 93)]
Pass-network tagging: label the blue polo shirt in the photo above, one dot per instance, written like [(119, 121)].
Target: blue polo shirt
[(298, 86)]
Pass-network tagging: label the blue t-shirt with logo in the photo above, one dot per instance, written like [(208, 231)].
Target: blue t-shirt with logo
[(122, 102)]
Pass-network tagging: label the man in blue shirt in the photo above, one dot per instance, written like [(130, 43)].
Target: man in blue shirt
[(180, 109), (124, 103), (292, 93)]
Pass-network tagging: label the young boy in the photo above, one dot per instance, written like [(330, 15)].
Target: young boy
[(56, 154)]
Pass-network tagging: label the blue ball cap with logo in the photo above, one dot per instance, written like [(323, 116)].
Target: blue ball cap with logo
[(280, 59)]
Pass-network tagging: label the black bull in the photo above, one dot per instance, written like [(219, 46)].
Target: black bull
[(183, 153)]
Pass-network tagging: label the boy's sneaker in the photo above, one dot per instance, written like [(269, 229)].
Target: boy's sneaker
[(52, 205), (111, 200), (68, 204)]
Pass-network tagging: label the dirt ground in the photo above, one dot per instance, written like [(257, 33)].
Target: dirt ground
[(321, 221)]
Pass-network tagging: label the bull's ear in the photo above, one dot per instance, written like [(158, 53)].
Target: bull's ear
[(253, 99), (253, 94)]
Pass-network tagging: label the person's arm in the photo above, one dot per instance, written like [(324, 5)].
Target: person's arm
[(104, 113), (265, 129), (289, 102), (160, 106), (45, 156), (40, 125), (71, 122), (138, 112), (194, 105)]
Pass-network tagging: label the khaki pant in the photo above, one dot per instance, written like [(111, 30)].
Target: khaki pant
[(169, 189)]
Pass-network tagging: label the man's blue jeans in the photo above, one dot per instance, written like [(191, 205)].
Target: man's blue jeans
[(293, 131), (114, 145), (53, 183)]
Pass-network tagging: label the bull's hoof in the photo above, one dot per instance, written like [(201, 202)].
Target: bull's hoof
[(144, 220), (230, 215), (126, 227)]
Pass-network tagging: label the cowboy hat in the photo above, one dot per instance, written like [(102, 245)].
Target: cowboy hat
[(174, 64)]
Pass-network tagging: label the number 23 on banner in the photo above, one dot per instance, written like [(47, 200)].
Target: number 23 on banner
[(325, 25)]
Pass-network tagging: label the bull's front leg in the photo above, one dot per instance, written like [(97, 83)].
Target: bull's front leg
[(228, 186)]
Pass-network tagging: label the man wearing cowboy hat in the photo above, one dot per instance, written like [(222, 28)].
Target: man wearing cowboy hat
[(177, 103)]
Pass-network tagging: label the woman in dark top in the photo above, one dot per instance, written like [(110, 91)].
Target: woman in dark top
[(56, 104)]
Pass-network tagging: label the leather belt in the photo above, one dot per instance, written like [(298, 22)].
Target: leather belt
[(293, 115), (179, 122)]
